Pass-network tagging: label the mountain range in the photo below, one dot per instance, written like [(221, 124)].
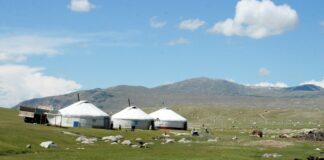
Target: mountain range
[(196, 91)]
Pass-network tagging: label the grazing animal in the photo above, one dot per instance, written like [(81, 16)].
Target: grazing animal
[(194, 132), (258, 133), (206, 130)]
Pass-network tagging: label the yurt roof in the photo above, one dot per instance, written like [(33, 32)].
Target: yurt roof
[(132, 112), (82, 108), (167, 114)]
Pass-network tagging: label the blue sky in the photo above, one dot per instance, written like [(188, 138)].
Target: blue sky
[(54, 47)]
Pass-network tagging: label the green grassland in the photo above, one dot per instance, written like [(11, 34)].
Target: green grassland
[(245, 117), (15, 135)]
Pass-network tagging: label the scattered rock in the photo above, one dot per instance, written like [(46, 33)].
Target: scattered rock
[(147, 144), (126, 142), (169, 140), (81, 138), (273, 137), (318, 149), (107, 138), (138, 139), (119, 137), (234, 138), (184, 140), (28, 146), (70, 133), (81, 148), (285, 135), (93, 139), (183, 134), (48, 144), (271, 155), (135, 146), (165, 135), (110, 139), (85, 140), (90, 141), (213, 140), (180, 134), (156, 138), (308, 134), (114, 143)]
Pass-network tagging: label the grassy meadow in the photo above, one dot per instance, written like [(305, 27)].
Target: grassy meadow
[(224, 123)]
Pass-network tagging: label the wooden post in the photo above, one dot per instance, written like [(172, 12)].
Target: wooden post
[(129, 103), (34, 115), (61, 122)]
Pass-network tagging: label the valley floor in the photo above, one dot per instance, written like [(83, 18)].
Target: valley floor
[(15, 135)]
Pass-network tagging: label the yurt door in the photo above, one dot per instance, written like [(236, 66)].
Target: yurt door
[(106, 123), (76, 124)]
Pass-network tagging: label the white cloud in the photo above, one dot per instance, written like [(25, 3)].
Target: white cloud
[(322, 23), (156, 23), (81, 6), (264, 72), (191, 24), (179, 41), (314, 82), (17, 48), (258, 19), (267, 84), (20, 82), (167, 83), (128, 38), (231, 80)]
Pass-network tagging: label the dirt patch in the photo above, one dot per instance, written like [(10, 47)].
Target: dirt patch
[(269, 143)]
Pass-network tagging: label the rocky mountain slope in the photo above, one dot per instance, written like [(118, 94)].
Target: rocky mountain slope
[(196, 91)]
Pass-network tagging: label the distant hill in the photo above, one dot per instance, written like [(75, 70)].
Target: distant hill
[(306, 87), (196, 91), (204, 86)]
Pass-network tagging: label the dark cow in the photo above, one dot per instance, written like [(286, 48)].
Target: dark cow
[(258, 133)]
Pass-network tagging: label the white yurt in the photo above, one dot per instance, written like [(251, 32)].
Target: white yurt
[(132, 117), (80, 114), (168, 119)]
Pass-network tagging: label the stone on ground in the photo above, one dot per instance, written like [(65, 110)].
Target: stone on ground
[(184, 140), (126, 142), (48, 144), (271, 155)]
